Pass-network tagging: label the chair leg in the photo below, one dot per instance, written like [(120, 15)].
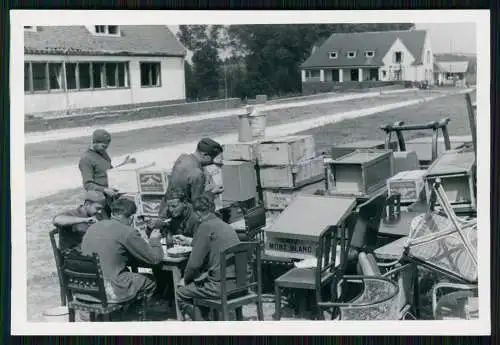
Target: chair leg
[(277, 313), (71, 315), (239, 314)]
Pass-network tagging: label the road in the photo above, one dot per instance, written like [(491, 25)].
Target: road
[(50, 154)]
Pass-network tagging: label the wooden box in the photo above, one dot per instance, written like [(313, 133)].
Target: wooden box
[(152, 181), (359, 173), (410, 184), (405, 161), (240, 181), (286, 150), (279, 199), (296, 231), (455, 169), (241, 151), (292, 176), (344, 149), (124, 178), (149, 205)]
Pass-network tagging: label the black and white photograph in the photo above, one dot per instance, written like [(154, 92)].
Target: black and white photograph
[(289, 173)]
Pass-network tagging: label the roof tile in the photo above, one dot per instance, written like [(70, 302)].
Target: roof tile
[(134, 40), (379, 41)]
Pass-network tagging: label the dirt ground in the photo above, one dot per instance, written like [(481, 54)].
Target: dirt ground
[(42, 283)]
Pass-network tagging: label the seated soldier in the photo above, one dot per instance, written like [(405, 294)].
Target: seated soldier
[(117, 243), (74, 223), (202, 274), (182, 221)]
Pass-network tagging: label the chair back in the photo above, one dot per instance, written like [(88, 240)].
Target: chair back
[(331, 253), (58, 259), (239, 257), (82, 276), (377, 300), (255, 221), (367, 226)]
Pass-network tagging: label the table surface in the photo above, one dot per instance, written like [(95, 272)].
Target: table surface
[(310, 214), (400, 228)]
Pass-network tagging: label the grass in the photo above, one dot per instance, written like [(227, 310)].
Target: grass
[(43, 288)]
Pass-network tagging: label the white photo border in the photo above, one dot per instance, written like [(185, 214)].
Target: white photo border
[(19, 323)]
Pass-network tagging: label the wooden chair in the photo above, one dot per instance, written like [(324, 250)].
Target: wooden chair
[(235, 296), (329, 265), (452, 304), (86, 291), (58, 258)]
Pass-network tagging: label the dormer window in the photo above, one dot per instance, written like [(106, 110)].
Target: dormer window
[(369, 53), (351, 54), (107, 30), (30, 28), (332, 55)]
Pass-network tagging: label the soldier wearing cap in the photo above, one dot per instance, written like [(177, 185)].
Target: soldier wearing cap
[(202, 275), (74, 223), (188, 174), (95, 163)]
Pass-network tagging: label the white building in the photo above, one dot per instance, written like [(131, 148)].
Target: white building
[(371, 56), (73, 67)]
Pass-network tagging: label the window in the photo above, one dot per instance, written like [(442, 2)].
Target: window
[(369, 53), (150, 74), (47, 76), (84, 75), (398, 57), (107, 30), (39, 73), (332, 55), (27, 77), (312, 73), (428, 57), (351, 54), (384, 73), (56, 76), (71, 77)]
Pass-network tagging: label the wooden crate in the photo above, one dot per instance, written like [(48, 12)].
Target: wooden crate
[(240, 181), (344, 149), (124, 178), (241, 151), (292, 176), (455, 169), (410, 184), (296, 231), (361, 172), (149, 205), (405, 161), (286, 150), (279, 199), (152, 181)]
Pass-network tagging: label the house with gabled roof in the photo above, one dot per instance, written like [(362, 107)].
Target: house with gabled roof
[(74, 67), (370, 56)]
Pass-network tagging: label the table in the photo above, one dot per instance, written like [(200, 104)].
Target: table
[(174, 265)]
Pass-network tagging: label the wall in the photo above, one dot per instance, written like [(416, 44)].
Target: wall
[(312, 87), (172, 86), (428, 66), (408, 71)]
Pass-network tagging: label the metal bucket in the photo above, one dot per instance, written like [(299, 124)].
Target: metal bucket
[(245, 129), (258, 122), (57, 314)]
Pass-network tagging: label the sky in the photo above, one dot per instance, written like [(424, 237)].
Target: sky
[(445, 37)]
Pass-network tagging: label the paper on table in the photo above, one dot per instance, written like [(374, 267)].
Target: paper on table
[(313, 262)]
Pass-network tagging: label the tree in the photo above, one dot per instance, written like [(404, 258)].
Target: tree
[(273, 53), (205, 76)]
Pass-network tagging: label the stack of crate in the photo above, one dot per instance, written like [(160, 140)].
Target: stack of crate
[(146, 183), (288, 166)]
